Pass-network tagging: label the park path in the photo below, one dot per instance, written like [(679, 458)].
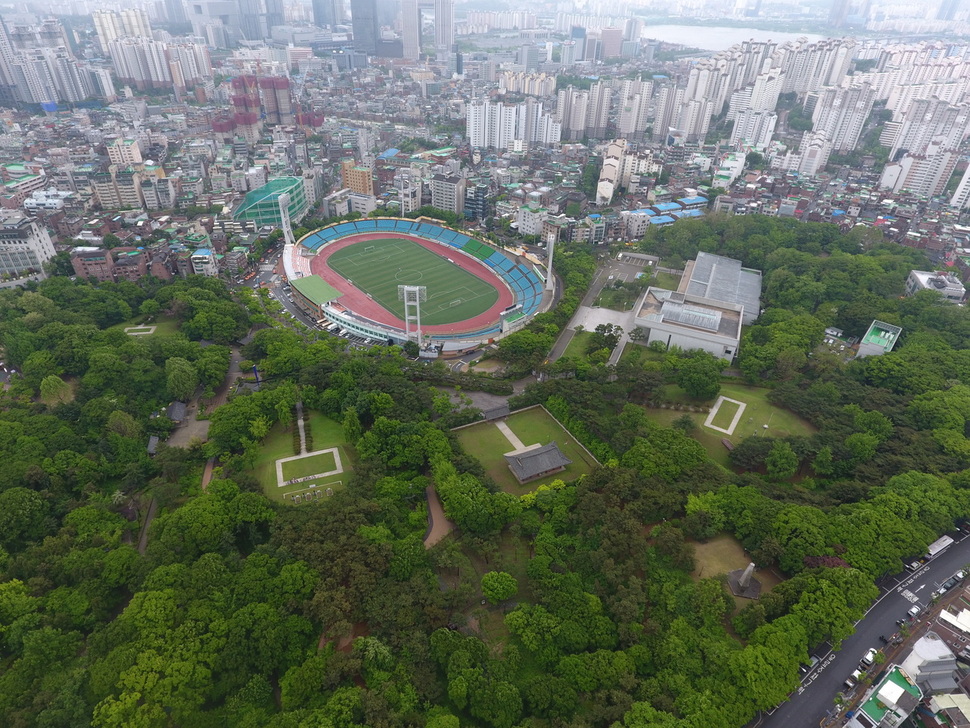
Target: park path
[(300, 426), (438, 525), (143, 536), (503, 427)]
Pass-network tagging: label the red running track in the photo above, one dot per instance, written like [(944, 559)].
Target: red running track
[(358, 302)]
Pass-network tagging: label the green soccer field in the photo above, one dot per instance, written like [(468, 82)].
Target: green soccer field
[(378, 267)]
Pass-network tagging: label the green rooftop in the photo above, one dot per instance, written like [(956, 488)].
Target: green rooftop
[(882, 334), (315, 289), (887, 696)]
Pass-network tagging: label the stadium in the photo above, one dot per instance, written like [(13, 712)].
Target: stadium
[(347, 276)]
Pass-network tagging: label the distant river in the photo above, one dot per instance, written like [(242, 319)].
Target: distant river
[(717, 39)]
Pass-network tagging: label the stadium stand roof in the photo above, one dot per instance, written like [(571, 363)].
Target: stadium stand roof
[(315, 289)]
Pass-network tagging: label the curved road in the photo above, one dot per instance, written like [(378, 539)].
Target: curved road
[(813, 701)]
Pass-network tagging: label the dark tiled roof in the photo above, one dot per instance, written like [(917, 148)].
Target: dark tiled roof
[(530, 463)]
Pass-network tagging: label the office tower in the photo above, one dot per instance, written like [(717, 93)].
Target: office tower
[(325, 13), (529, 57), (948, 9), (257, 17), (444, 25), (612, 42), (568, 53), (577, 34), (840, 113), (217, 21), (175, 12), (411, 29), (366, 30)]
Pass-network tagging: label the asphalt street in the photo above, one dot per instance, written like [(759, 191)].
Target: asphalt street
[(813, 701)]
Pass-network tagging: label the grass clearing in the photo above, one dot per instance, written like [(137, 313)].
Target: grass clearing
[(723, 554), (576, 348), (758, 412), (278, 444), (634, 352), (377, 267), (533, 426), (164, 325), (666, 280)]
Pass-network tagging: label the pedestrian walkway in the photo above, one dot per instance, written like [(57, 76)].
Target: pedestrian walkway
[(299, 425), (517, 444)]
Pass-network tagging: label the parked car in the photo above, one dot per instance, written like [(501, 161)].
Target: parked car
[(854, 678), (868, 659), (914, 611), (812, 662)]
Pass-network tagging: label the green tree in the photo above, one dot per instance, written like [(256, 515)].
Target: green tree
[(497, 586), (181, 378), (699, 375), (782, 462), (54, 390)]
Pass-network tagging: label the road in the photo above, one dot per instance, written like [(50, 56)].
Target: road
[(814, 699)]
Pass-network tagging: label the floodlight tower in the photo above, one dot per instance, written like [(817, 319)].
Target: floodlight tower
[(550, 276), (413, 297), (284, 201)]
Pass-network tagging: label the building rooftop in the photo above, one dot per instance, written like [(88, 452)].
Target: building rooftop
[(723, 279), (531, 462), (315, 289), (894, 693), (879, 339), (672, 307)]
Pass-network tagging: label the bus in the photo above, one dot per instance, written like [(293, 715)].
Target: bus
[(939, 546)]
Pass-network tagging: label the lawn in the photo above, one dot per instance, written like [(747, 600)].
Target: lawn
[(617, 299), (279, 444), (322, 462), (666, 280), (164, 325), (576, 348), (758, 412), (377, 267), (723, 554), (634, 352), (533, 426)]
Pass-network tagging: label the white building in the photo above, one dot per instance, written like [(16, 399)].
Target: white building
[(946, 284), (530, 219), (715, 297), (448, 193), (961, 198), (24, 245), (124, 152)]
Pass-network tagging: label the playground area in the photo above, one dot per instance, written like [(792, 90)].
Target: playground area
[(309, 476), (489, 441)]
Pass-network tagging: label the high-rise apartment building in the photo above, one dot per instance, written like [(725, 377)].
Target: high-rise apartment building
[(500, 125), (961, 197), (448, 193), (257, 18), (634, 105), (409, 188), (841, 113), (365, 26)]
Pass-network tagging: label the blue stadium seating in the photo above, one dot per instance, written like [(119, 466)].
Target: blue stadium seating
[(366, 226)]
